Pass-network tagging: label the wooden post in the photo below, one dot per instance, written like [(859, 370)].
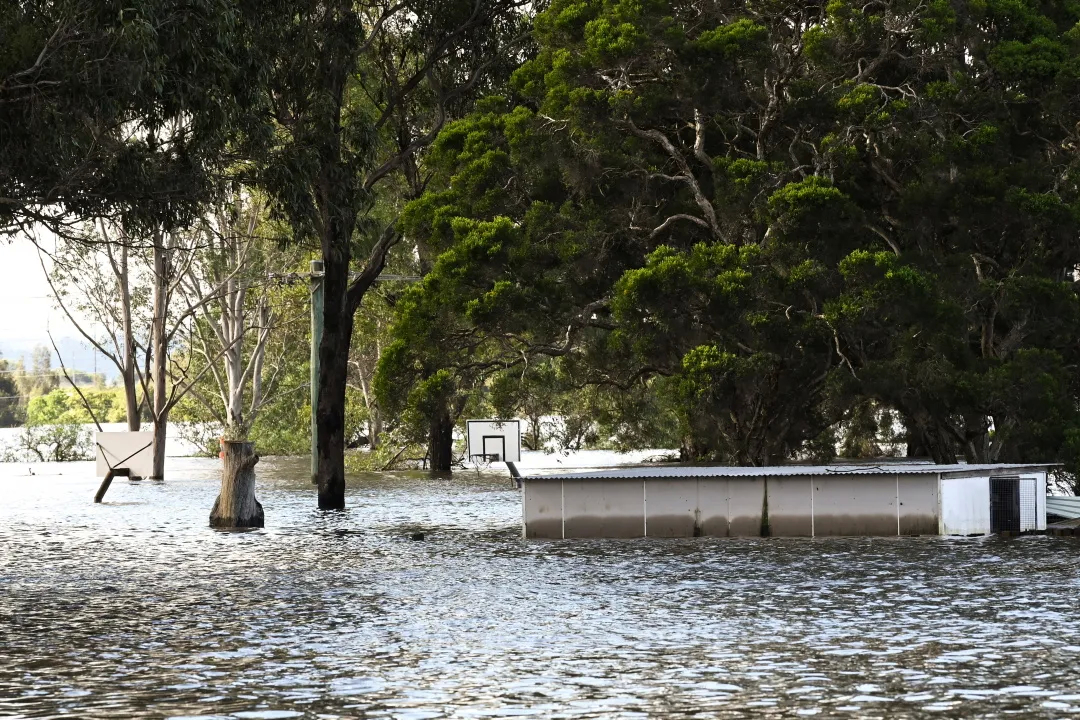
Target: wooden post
[(236, 506), (316, 342), (113, 473)]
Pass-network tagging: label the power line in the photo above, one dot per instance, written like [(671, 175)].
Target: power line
[(55, 373)]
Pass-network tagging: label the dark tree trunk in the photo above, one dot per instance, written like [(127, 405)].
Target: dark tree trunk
[(441, 443), (159, 354), (537, 441), (916, 448), (130, 350), (333, 376), (160, 437), (341, 300), (926, 438), (374, 428), (131, 400), (236, 506), (338, 198), (977, 433), (942, 448)]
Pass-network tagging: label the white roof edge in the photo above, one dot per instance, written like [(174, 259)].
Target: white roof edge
[(683, 471)]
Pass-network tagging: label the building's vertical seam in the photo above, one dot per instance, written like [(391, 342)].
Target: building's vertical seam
[(644, 509), (727, 506), (562, 506), (940, 515), (812, 526), (897, 501)]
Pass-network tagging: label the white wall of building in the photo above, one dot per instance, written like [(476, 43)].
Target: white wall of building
[(1040, 495)]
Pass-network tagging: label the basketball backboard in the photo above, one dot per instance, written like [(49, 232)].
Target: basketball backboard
[(132, 450), (494, 440)]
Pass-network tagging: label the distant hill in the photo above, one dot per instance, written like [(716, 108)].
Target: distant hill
[(78, 354)]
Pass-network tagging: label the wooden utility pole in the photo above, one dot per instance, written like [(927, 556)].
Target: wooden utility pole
[(315, 283), (316, 280)]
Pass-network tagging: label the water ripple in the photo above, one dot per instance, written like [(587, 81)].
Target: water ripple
[(136, 609)]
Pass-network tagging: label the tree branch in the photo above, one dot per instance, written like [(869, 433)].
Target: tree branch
[(372, 268), (63, 368), (687, 175)]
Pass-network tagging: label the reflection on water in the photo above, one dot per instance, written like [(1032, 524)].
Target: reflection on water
[(135, 608)]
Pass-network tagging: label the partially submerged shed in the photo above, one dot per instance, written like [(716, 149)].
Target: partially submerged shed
[(793, 500)]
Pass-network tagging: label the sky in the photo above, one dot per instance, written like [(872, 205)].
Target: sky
[(29, 312)]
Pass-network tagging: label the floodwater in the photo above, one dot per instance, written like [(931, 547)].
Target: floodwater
[(136, 609)]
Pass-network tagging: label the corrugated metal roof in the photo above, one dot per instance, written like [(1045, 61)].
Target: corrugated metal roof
[(684, 471), (1063, 506)]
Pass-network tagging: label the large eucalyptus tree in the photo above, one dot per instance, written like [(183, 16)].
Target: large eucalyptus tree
[(89, 91), (769, 212), (357, 90)]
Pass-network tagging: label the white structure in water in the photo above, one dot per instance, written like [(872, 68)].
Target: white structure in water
[(494, 440), (886, 499), (131, 450)]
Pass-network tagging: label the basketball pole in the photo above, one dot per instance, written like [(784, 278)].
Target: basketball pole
[(514, 474)]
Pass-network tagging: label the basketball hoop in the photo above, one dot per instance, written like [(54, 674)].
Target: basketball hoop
[(482, 463)]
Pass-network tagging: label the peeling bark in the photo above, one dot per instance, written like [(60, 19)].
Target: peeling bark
[(236, 505)]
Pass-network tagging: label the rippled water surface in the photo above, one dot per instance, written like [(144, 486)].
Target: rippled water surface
[(135, 608)]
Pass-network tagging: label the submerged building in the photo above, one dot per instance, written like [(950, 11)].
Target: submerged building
[(786, 501)]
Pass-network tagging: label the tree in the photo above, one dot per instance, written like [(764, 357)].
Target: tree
[(281, 424), (369, 337), (774, 213), (99, 282), (103, 280), (127, 112), (86, 89), (54, 431), (177, 301), (10, 411), (227, 281), (42, 378), (331, 148), (957, 136)]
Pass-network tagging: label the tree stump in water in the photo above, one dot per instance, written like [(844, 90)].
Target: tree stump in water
[(236, 506)]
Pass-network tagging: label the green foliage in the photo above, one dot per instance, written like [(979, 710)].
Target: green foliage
[(735, 40), (279, 420), (393, 454), (61, 442), (1038, 61), (88, 92), (56, 426), (757, 232), (741, 363), (791, 234), (11, 412)]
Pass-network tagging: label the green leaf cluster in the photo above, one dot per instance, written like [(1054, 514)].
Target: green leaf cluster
[(787, 223)]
